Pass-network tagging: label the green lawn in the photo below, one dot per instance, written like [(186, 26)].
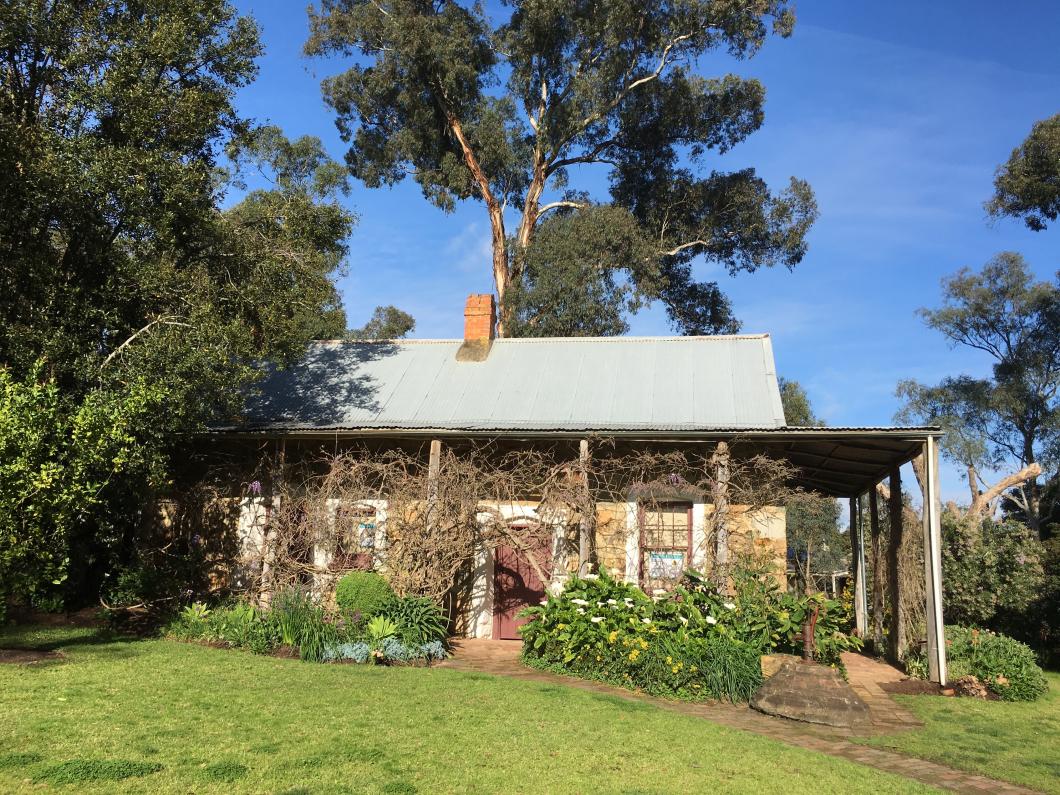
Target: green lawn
[(1010, 741), (192, 719)]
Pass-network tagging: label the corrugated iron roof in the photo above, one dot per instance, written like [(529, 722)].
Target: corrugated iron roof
[(585, 384)]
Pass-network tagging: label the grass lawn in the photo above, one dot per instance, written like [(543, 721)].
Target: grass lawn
[(182, 718), (1017, 742)]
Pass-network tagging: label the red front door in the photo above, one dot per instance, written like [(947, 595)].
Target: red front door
[(515, 586)]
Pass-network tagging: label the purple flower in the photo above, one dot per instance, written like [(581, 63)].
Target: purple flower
[(255, 487)]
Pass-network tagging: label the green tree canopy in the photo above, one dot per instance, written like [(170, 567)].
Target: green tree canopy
[(1012, 417), (796, 403), (386, 323), (1027, 186), (509, 114), (120, 267)]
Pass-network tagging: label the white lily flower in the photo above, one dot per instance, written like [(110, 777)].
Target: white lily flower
[(544, 601), (596, 619), (581, 611), (581, 602), (730, 606), (658, 592), (682, 619), (556, 588), (591, 577), (646, 620), (712, 620), (612, 601), (599, 604)]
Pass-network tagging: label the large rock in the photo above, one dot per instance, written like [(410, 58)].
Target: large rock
[(811, 693)]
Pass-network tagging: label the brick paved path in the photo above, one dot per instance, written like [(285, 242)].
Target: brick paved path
[(501, 658)]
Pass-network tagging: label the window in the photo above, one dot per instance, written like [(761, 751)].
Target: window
[(356, 539), (665, 543)]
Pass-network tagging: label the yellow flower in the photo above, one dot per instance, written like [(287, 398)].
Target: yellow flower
[(561, 626), (643, 643), (613, 636), (634, 654), (598, 658), (694, 669), (668, 660), (674, 669)]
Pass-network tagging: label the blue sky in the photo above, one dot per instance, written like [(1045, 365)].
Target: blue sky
[(896, 113)]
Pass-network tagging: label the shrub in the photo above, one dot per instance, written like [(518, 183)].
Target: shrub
[(991, 567), (692, 642), (1006, 666), (603, 629), (419, 620), (364, 592)]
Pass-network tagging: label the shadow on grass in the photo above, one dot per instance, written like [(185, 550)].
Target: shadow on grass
[(52, 639)]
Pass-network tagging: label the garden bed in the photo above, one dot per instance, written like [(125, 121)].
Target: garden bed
[(693, 643)]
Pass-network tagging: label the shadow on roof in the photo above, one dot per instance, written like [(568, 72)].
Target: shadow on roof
[(321, 388)]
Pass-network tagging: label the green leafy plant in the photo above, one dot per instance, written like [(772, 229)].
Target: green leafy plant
[(362, 592), (380, 629), (419, 620), (691, 642), (1006, 666), (289, 610)]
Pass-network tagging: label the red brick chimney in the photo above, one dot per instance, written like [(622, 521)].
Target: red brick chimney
[(480, 324)]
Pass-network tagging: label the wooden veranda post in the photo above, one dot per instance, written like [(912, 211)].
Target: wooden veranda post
[(720, 498), (936, 636), (878, 584), (585, 526), (857, 560), (434, 468), (895, 639)]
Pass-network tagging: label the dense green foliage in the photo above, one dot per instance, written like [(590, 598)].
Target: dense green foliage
[(507, 113), (135, 293), (419, 620), (331, 728), (993, 569), (386, 323), (55, 460), (586, 271), (796, 403), (1006, 666), (402, 630), (1027, 186), (601, 628), (363, 593), (710, 642)]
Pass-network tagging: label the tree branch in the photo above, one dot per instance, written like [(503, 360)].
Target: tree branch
[(164, 321), (984, 501)]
